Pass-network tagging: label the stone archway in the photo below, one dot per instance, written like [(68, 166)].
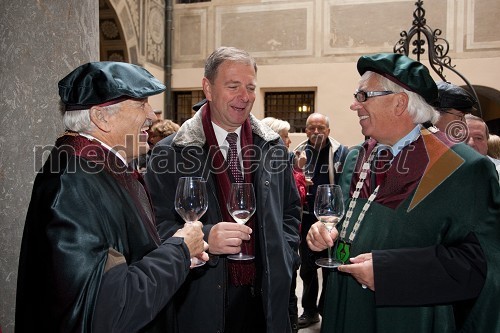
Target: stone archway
[(112, 44), (132, 31)]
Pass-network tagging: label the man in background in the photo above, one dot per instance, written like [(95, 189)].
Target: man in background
[(158, 114), (325, 157), (478, 136), (453, 104)]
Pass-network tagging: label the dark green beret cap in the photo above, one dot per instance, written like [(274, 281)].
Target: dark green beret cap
[(406, 72), (454, 97), (100, 82)]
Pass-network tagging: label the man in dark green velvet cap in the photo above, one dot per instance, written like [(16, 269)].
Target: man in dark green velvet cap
[(421, 236), (91, 259)]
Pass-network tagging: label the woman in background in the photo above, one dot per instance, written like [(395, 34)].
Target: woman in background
[(282, 127)]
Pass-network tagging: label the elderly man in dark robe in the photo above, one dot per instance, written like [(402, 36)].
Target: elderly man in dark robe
[(91, 258)]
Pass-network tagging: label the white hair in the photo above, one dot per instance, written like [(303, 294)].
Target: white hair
[(276, 125), (418, 109), (315, 114), (79, 120)]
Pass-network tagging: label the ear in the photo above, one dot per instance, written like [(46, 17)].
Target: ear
[(401, 103), (99, 117), (207, 88)]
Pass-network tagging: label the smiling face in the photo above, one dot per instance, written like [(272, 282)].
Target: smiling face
[(232, 94), (126, 129), (383, 118)]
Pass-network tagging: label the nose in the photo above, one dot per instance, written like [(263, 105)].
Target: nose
[(355, 106), (244, 95), (470, 142), (149, 112)]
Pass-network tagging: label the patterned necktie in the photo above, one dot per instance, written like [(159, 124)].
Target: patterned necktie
[(232, 157)]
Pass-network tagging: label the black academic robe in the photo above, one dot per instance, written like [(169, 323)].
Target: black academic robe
[(90, 261), (434, 223)]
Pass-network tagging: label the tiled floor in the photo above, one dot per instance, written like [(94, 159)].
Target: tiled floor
[(313, 328)]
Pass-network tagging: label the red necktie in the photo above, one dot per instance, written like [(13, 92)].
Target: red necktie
[(232, 157)]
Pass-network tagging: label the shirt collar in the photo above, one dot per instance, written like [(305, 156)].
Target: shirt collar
[(413, 135), (221, 134), (90, 137)]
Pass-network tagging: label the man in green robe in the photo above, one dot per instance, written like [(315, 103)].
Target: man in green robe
[(421, 236), (91, 259)]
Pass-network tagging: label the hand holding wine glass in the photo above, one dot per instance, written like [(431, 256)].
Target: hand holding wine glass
[(309, 174), (191, 202), (300, 158), (241, 206), (192, 233), (329, 209)]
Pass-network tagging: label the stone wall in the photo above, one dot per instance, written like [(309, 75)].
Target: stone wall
[(322, 31), (40, 42)]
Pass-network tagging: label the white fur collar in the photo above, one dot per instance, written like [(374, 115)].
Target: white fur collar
[(191, 132)]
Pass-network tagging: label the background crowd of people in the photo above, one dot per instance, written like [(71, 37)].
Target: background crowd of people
[(104, 249)]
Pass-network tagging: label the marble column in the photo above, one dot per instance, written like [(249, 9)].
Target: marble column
[(40, 42)]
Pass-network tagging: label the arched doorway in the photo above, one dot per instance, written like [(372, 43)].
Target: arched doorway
[(112, 43), (489, 98)]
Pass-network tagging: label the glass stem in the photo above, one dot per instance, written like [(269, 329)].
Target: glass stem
[(244, 248)]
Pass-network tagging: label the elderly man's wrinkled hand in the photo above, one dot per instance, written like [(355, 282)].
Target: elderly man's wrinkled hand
[(361, 268), (203, 256), (193, 237), (319, 238)]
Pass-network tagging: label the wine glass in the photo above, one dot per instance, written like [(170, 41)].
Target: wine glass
[(241, 206), (191, 202), (308, 174), (329, 209)]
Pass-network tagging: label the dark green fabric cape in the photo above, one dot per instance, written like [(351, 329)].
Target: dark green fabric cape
[(458, 195)]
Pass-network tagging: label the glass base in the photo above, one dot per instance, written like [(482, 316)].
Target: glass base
[(240, 256), (195, 262), (328, 263)]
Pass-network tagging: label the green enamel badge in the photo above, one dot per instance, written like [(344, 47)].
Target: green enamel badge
[(343, 251)]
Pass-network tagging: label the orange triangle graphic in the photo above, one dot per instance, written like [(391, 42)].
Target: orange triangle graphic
[(442, 163)]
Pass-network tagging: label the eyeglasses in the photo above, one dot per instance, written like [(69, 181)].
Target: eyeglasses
[(361, 96), (460, 115)]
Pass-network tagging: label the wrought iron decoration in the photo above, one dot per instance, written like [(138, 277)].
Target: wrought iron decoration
[(438, 47)]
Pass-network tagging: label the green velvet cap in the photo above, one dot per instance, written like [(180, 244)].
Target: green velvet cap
[(408, 73), (98, 83)]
